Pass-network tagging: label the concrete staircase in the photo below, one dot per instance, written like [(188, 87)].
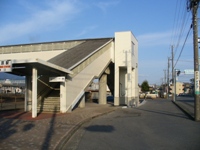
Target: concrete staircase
[(49, 104), (76, 87)]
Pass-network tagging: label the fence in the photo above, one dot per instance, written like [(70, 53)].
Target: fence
[(11, 101)]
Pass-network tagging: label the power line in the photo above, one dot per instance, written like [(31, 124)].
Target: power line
[(180, 22), (184, 22), (183, 45), (187, 60)]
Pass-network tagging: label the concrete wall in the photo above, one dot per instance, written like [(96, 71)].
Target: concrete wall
[(44, 55), (126, 68), (76, 85)]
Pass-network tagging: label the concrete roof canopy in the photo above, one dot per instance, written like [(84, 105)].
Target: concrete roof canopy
[(58, 65)]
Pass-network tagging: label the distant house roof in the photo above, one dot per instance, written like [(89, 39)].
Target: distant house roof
[(74, 55)]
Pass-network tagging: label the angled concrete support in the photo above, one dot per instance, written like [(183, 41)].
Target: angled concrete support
[(103, 89), (82, 101), (34, 92), (28, 94), (63, 97)]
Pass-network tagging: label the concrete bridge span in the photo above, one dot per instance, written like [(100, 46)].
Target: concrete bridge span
[(64, 69)]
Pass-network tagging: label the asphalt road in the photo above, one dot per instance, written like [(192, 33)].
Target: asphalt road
[(156, 125)]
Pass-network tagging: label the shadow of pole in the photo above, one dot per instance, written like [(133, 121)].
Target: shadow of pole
[(50, 132), (164, 113), (100, 128), (41, 106)]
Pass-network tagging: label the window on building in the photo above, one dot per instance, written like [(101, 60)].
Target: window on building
[(132, 48)]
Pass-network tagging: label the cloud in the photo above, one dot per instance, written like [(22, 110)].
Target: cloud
[(154, 39), (105, 5), (143, 75), (46, 17), (86, 30), (160, 39)]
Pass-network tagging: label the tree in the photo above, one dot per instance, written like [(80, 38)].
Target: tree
[(145, 86), (192, 81)]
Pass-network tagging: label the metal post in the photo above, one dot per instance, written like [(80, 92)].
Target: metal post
[(174, 85), (172, 62)]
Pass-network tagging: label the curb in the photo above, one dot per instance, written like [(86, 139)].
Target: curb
[(142, 103), (70, 133), (184, 110)]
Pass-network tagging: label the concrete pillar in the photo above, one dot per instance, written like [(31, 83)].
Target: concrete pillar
[(28, 94), (103, 89), (63, 97), (116, 91), (34, 92), (82, 101), (129, 89)]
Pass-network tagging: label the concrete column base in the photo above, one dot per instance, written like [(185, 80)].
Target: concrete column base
[(116, 101), (103, 89), (63, 97)]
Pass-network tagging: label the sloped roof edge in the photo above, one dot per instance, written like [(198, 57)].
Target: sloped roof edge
[(54, 42), (89, 55)]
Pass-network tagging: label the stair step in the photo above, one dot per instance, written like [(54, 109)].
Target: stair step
[(48, 109), (53, 105), (53, 98), (49, 104)]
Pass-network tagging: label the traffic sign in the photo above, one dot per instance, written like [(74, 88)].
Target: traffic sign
[(189, 71), (5, 66), (196, 82), (57, 79)]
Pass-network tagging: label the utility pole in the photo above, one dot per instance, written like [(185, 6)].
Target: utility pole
[(172, 47), (194, 4), (164, 76), (168, 78)]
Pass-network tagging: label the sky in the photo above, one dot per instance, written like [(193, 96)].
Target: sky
[(156, 24)]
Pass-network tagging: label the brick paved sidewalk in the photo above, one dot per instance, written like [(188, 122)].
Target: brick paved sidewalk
[(19, 131)]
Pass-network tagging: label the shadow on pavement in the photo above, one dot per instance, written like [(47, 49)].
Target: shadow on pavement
[(163, 113), (50, 132), (192, 101), (100, 128), (8, 127)]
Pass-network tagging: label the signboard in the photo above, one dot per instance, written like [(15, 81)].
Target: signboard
[(189, 71), (57, 79), (5, 66), (196, 82)]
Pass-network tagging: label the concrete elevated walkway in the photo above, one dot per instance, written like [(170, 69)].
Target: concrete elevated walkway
[(64, 69), (78, 61)]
